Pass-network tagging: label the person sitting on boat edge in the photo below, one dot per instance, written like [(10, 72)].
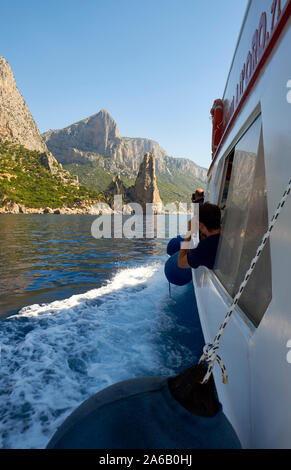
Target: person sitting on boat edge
[(210, 227)]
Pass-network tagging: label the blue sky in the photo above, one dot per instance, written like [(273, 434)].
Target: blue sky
[(155, 65)]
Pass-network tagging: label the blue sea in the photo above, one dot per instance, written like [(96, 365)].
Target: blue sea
[(79, 314)]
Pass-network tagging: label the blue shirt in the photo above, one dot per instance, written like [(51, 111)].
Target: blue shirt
[(205, 253), (141, 414)]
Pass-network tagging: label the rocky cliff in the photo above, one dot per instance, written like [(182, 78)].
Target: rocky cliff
[(97, 139), (16, 123), (31, 179), (85, 141), (137, 147), (28, 186)]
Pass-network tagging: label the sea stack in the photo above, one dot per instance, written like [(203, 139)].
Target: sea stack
[(145, 188), (117, 187)]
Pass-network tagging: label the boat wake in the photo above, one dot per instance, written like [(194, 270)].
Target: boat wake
[(56, 355)]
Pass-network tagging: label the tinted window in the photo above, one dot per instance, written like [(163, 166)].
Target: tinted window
[(245, 220)]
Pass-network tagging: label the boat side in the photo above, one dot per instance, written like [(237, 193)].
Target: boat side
[(256, 146)]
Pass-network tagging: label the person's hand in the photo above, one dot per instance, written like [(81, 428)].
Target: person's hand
[(188, 237), (192, 225)]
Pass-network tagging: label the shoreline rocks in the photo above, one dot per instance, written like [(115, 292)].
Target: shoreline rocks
[(15, 208), (96, 209)]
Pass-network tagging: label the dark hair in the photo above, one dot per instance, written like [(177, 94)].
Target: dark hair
[(187, 389), (210, 216)]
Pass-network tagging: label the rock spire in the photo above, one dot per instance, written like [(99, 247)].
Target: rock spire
[(145, 188)]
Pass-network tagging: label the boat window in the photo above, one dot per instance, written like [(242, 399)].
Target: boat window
[(226, 179), (245, 220), (209, 188)]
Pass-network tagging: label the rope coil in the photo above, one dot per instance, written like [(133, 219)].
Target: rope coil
[(209, 351)]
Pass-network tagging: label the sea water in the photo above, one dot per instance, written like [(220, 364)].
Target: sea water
[(79, 314)]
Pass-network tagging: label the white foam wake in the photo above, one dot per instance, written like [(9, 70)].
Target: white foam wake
[(54, 356)]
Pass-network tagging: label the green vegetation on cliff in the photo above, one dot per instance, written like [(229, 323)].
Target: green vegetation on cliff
[(24, 180), (94, 176), (178, 187)]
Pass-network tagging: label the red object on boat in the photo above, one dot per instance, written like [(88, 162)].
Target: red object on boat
[(217, 124)]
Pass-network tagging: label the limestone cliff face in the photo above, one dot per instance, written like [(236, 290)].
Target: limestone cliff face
[(145, 189), (138, 146), (83, 141), (97, 135), (16, 123), (171, 165)]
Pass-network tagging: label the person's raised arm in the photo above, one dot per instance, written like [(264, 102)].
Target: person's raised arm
[(185, 247), (183, 260)]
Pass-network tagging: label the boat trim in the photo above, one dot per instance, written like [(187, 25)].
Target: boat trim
[(266, 54)]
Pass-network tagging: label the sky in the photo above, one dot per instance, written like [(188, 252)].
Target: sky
[(155, 65)]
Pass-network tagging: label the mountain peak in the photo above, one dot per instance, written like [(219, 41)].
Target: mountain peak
[(96, 134), (104, 111), (4, 63), (102, 115)]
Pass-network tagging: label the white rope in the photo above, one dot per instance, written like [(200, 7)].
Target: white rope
[(209, 351)]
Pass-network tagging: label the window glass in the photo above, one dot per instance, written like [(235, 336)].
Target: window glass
[(258, 291), (227, 175), (235, 215), (244, 222)]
